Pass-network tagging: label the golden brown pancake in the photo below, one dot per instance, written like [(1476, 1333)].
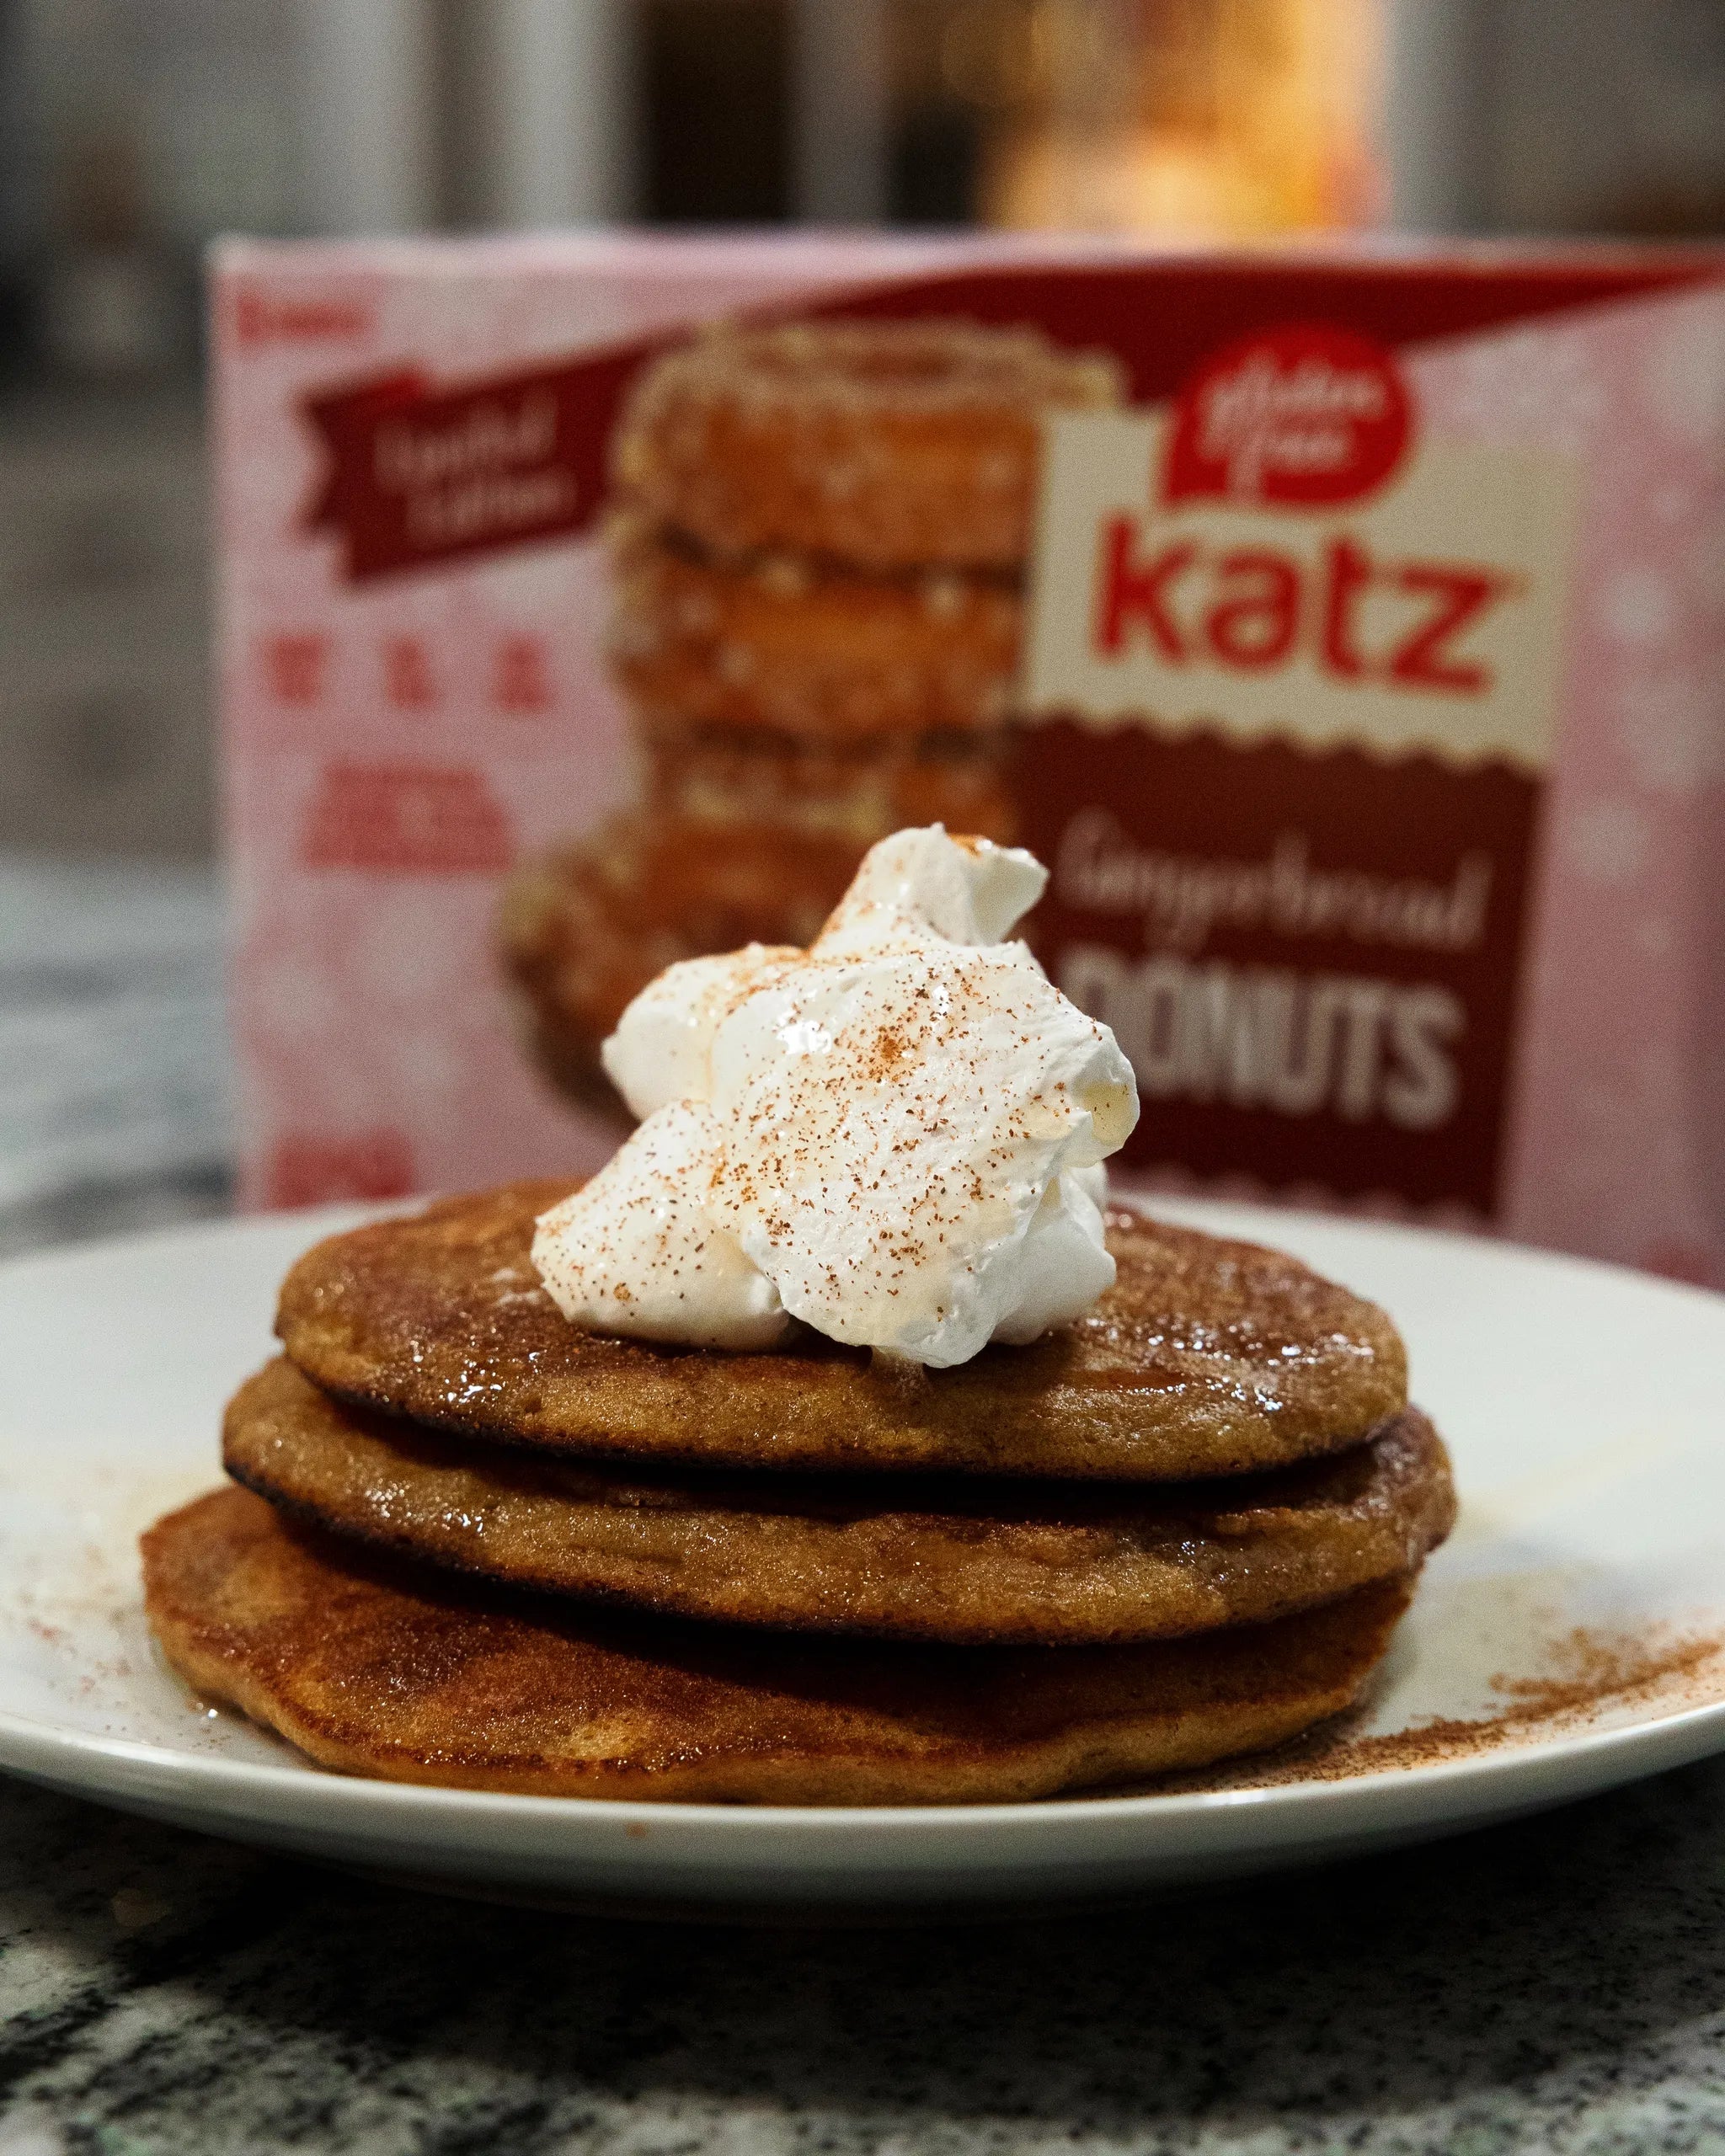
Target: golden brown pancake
[(961, 1561), (1206, 1357), (380, 1670)]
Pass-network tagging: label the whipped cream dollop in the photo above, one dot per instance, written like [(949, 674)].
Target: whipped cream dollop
[(895, 1136)]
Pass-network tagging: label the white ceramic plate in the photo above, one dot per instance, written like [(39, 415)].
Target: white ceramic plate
[(1581, 1404)]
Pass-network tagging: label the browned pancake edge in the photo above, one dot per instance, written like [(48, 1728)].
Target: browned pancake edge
[(1207, 1356), (376, 1669), (961, 1560)]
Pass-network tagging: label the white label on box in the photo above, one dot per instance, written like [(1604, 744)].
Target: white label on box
[(1429, 616)]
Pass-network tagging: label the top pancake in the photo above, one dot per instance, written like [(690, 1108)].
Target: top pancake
[(1207, 1356)]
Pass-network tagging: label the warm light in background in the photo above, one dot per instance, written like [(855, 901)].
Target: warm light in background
[(1200, 118)]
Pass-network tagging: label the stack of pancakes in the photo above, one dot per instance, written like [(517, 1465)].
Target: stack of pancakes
[(818, 539), (479, 1546)]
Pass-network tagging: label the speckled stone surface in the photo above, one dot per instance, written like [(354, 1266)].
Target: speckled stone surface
[(1556, 1985)]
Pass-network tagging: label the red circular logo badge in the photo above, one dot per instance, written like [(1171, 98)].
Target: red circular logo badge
[(1303, 415)]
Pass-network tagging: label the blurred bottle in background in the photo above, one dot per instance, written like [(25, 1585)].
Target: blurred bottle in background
[(133, 130), (1194, 119), (140, 127)]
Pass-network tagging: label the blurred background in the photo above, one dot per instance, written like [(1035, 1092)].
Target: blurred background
[(133, 130)]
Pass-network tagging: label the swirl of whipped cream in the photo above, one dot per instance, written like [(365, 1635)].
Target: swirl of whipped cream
[(895, 1136)]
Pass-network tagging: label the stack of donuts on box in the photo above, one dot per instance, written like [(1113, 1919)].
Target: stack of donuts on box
[(837, 1443), (818, 535)]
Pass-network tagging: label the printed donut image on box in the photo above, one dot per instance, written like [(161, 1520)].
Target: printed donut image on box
[(1340, 628), (817, 539)]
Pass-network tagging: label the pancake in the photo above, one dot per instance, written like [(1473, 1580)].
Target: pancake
[(960, 1561), (405, 1674), (1207, 1356)]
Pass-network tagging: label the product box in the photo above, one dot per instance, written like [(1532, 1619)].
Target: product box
[(1345, 629)]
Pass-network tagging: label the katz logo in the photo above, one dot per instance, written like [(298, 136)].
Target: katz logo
[(1352, 617), (1301, 417)]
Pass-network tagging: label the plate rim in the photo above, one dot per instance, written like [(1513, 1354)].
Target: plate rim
[(1584, 1758), (288, 1781)]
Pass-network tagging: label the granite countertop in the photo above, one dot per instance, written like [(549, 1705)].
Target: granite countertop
[(114, 1079), (1556, 1985)]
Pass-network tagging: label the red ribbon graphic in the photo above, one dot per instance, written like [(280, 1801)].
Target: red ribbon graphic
[(419, 475)]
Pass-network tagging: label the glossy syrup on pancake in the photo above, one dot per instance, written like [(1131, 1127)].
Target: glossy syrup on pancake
[(1207, 1356), (376, 1668), (955, 1559)]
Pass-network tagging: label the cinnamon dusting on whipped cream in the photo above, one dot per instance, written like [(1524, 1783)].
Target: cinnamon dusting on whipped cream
[(895, 1136)]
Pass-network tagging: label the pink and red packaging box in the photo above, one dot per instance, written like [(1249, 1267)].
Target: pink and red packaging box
[(1357, 665)]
